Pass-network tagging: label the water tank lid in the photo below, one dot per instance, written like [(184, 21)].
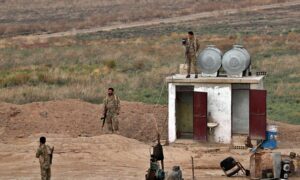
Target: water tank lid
[(211, 46), (238, 46), (214, 47)]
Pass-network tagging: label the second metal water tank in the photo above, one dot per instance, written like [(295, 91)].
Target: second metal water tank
[(236, 60), (210, 60)]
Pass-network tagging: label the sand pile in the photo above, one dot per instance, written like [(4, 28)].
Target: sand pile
[(82, 151), (78, 118)]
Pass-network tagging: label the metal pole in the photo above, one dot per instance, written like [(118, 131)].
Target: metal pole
[(193, 168)]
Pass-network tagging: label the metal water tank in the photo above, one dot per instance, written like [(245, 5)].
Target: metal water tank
[(236, 60), (210, 60)]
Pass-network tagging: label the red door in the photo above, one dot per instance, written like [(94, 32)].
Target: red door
[(258, 114), (200, 116)]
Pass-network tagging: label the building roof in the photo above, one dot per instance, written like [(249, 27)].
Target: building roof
[(180, 78)]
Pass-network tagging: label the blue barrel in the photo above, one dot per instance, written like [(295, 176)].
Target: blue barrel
[(271, 137)]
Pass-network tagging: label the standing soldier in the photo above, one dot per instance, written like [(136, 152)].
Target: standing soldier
[(111, 110), (192, 46), (44, 153)]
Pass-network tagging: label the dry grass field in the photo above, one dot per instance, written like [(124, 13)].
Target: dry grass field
[(136, 60), (35, 16)]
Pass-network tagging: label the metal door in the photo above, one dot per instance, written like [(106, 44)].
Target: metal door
[(200, 116), (258, 114)]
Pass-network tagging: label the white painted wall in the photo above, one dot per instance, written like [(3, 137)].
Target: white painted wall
[(219, 109), (172, 116)]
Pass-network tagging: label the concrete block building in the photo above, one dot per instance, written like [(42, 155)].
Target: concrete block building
[(214, 109)]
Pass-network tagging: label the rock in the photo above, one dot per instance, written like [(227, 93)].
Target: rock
[(14, 111), (21, 136), (44, 114)]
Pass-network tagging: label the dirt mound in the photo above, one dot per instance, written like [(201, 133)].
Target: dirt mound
[(78, 118), (68, 125)]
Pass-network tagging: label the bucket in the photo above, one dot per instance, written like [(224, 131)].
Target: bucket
[(272, 132), (272, 128)]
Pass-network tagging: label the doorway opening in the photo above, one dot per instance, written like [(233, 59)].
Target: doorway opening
[(191, 113), (184, 112), (240, 109)]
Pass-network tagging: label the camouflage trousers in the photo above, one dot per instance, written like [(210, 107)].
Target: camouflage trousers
[(191, 61), (45, 173), (112, 122)]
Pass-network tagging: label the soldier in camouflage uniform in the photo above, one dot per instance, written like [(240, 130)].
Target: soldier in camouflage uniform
[(44, 153), (111, 110), (192, 47)]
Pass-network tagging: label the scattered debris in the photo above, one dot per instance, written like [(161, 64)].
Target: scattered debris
[(297, 165), (268, 164), (44, 114), (231, 167), (158, 152), (286, 169), (248, 142), (240, 147), (193, 173), (154, 172), (176, 174), (83, 135), (20, 136), (211, 150), (14, 111), (257, 147)]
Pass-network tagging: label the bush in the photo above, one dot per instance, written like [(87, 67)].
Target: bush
[(110, 64)]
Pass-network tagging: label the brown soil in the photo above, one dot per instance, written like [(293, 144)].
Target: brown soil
[(76, 118), (82, 151)]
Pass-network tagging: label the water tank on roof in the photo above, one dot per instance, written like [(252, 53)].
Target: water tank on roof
[(210, 60), (236, 60)]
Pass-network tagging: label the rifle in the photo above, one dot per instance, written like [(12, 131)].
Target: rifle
[(103, 119), (51, 155)]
